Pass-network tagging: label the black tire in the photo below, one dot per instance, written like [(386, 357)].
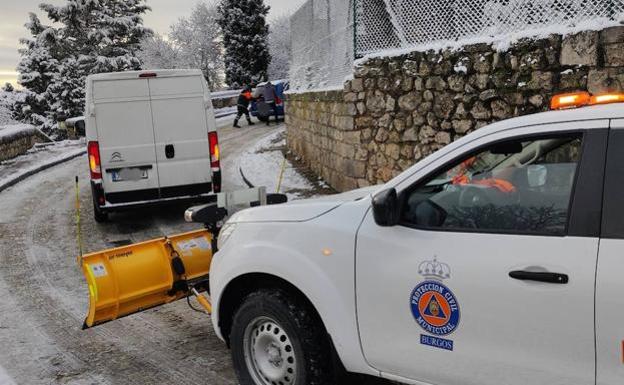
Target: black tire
[(298, 327), (98, 214)]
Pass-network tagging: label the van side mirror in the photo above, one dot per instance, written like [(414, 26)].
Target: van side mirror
[(386, 208)]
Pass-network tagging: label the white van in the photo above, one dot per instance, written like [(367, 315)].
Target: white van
[(151, 139)]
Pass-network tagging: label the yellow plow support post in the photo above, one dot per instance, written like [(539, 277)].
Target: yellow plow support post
[(129, 279)]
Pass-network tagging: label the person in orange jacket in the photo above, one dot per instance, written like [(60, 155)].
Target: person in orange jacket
[(244, 99)]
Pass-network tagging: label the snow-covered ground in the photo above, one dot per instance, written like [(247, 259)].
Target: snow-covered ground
[(4, 377), (262, 165), (226, 111), (37, 158)]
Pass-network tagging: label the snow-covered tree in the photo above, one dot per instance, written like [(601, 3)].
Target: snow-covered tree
[(37, 69), (245, 38), (86, 37), (103, 35), (93, 36), (279, 47), (198, 39), (157, 52), (8, 87), (67, 92)]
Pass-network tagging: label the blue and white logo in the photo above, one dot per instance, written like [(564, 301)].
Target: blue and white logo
[(434, 306)]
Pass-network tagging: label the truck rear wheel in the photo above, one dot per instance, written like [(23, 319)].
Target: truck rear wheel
[(277, 339)]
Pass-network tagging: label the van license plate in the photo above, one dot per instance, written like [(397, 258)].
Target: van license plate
[(129, 174)]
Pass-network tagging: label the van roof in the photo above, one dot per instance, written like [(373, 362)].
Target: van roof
[(135, 74)]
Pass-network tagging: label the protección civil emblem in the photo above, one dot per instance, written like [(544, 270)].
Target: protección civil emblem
[(434, 306)]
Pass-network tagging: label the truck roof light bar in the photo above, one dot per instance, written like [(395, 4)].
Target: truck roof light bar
[(581, 99), (607, 98), (570, 100)]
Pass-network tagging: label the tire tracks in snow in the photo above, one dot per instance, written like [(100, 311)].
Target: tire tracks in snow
[(39, 273)]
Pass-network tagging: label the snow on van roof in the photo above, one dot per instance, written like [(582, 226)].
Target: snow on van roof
[(135, 74)]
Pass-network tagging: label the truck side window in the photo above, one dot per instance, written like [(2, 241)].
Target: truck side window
[(521, 186)]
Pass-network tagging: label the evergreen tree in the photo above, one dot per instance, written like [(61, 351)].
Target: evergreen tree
[(37, 69), (245, 38), (103, 35), (97, 36), (66, 93), (87, 37), (8, 87)]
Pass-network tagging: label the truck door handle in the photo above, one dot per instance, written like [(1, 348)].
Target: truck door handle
[(169, 151), (539, 276)]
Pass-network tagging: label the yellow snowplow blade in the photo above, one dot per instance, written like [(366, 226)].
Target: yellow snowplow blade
[(130, 279)]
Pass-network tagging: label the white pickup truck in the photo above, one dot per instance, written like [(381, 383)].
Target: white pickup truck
[(497, 260)]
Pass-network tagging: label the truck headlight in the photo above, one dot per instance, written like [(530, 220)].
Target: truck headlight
[(225, 233)]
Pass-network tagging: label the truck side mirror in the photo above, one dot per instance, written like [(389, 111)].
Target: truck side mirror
[(386, 208)]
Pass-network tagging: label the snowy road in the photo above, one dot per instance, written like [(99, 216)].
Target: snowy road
[(44, 297)]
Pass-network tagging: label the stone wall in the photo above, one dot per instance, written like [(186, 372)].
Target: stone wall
[(18, 143), (321, 129), (397, 110)]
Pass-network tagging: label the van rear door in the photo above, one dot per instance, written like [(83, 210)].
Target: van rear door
[(180, 110), (123, 116)]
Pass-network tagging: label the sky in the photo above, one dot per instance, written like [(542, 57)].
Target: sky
[(14, 13)]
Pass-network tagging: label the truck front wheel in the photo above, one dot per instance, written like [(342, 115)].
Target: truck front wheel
[(278, 339)]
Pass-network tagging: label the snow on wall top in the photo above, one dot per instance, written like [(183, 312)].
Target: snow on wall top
[(13, 132)]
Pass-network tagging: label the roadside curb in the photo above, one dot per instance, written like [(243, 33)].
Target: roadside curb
[(30, 172)]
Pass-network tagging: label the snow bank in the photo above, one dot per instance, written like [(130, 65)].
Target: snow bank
[(36, 160), (226, 111), (262, 164), (12, 132)]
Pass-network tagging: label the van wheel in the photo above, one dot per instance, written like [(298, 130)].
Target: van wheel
[(277, 339), (98, 214)]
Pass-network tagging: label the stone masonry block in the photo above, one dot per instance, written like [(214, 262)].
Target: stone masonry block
[(580, 49)]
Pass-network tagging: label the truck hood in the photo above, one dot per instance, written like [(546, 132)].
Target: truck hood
[(301, 210)]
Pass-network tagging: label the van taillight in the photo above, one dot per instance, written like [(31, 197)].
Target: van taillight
[(93, 149), (213, 142), (148, 75)]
